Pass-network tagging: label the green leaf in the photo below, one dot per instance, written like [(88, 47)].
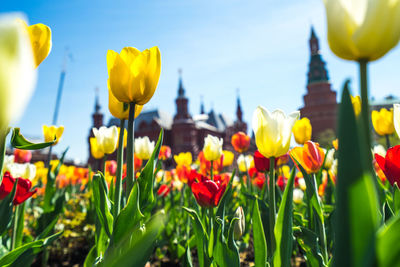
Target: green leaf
[(18, 141), (201, 237), (129, 217), (102, 204), (308, 241), (90, 257), (187, 260), (225, 199), (146, 178), (226, 253), (6, 209), (387, 243), (260, 244), (283, 226), (396, 198), (356, 200)]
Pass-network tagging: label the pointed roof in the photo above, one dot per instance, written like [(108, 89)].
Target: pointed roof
[(97, 106), (181, 89), (316, 68)]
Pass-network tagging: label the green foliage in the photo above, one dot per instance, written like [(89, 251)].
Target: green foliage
[(20, 142), (260, 244)]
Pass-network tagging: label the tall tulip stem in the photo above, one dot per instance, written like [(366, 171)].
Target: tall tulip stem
[(387, 141), (365, 114), (272, 204), (130, 167), (120, 161)]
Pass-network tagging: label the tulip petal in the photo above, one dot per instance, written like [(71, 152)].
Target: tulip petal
[(119, 77)]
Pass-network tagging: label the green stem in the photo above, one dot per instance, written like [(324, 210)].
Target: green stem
[(15, 228), (272, 204), (365, 114), (2, 153), (212, 170), (387, 141), (120, 162), (130, 167)]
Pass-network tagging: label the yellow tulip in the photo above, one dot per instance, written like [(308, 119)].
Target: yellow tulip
[(40, 36), (302, 131), (383, 121), (212, 147), (97, 153), (51, 132), (356, 101), (17, 71), (134, 75), (228, 158), (119, 109), (362, 30), (183, 159), (273, 131), (107, 138), (245, 162), (396, 118)]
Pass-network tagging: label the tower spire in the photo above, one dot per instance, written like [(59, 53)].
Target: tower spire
[(181, 90), (239, 112), (97, 106), (202, 111), (316, 69)]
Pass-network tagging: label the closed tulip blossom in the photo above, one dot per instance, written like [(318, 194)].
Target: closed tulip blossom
[(17, 71), (40, 36), (362, 30), (273, 131), (134, 75), (245, 162), (119, 109), (212, 147), (240, 142), (144, 147), (302, 130), (240, 225), (208, 193), (107, 138), (356, 102), (383, 121), (183, 158), (52, 133), (23, 190), (95, 150), (310, 156), (228, 158), (390, 164)]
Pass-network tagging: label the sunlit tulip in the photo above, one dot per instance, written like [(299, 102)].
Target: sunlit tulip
[(302, 183), (25, 170), (383, 121), (228, 158), (396, 118), (239, 227), (284, 159), (119, 109), (96, 151), (302, 130), (143, 147), (298, 195), (240, 142), (107, 138), (17, 70), (165, 153), (245, 162), (208, 193), (261, 163), (273, 131), (379, 149), (335, 144), (362, 30), (23, 191), (163, 191), (111, 167), (22, 156), (52, 132), (356, 102), (390, 164), (134, 75), (212, 147), (40, 36), (329, 158), (259, 180), (310, 156), (183, 159)]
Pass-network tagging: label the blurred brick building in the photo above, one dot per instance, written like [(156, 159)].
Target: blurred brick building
[(183, 131), (320, 104)]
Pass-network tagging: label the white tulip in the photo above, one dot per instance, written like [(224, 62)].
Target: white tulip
[(143, 147), (107, 138), (212, 147), (298, 195)]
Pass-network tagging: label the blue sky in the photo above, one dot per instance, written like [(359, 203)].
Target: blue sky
[(260, 47)]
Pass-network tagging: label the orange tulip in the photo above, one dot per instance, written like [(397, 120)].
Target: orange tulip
[(240, 142), (310, 156)]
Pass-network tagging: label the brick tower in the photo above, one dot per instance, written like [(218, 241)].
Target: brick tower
[(320, 103), (184, 133)]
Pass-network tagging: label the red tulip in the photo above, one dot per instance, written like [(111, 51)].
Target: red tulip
[(261, 163), (208, 193), (111, 167), (390, 164), (259, 180), (281, 182), (240, 142), (163, 191), (22, 156), (23, 188)]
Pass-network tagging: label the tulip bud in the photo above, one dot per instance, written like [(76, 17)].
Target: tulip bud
[(143, 147), (212, 147), (239, 226), (298, 195), (383, 121), (302, 130), (97, 153), (356, 102), (107, 138)]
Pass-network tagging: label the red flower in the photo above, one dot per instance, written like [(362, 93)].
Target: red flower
[(282, 181), (23, 188), (240, 142), (163, 191), (111, 167), (208, 193), (261, 163), (165, 153), (252, 172), (259, 180), (390, 164), (137, 162), (205, 165), (22, 156)]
